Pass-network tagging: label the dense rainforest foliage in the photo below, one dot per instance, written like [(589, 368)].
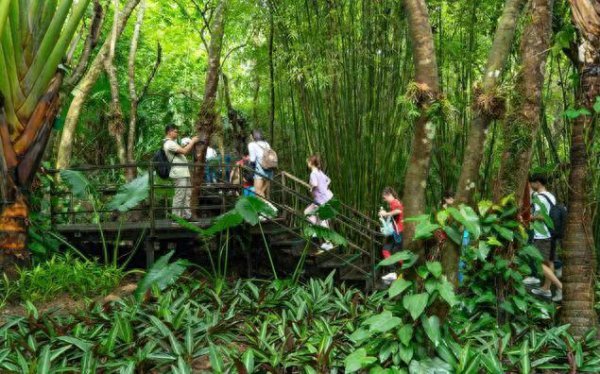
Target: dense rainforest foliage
[(432, 97)]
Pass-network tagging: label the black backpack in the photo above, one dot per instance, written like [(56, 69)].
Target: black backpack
[(558, 215), (161, 163)]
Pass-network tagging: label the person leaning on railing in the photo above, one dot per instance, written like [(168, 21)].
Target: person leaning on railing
[(180, 172)]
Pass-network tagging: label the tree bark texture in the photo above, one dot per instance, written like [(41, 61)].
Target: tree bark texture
[(206, 124), (579, 255), (18, 165), (82, 91), (427, 86), (487, 104), (133, 95), (238, 122), (90, 43), (116, 122), (522, 124)]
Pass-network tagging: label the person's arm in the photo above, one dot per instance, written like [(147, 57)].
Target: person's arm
[(173, 147), (314, 182), (393, 213), (252, 152)]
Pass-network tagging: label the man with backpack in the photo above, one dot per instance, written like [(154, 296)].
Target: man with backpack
[(180, 174), (545, 205)]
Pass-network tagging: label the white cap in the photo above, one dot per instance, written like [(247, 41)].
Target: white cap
[(186, 141)]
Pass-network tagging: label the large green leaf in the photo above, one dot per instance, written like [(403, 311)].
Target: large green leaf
[(162, 274), (79, 184), (251, 208), (435, 268), (324, 233), (431, 325), (131, 194), (398, 287), (415, 304), (407, 257), (328, 210), (383, 322), (357, 360)]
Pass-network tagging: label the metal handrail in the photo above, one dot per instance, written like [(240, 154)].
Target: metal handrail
[(351, 209), (307, 200)]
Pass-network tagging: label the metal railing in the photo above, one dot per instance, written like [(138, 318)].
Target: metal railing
[(289, 194)]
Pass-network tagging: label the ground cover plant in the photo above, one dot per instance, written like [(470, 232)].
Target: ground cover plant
[(418, 325)]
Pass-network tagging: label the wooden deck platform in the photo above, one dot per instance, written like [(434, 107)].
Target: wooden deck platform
[(164, 229)]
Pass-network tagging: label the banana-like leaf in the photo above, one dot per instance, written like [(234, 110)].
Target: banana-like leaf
[(44, 76), (4, 6), (131, 194), (79, 184)]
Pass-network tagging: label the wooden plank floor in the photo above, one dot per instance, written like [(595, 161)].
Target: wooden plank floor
[(166, 229)]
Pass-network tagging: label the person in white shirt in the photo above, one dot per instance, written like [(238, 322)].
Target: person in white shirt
[(210, 173), (256, 150), (180, 174), (543, 201)]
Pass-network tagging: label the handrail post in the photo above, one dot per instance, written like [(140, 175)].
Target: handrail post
[(372, 262), (151, 199)]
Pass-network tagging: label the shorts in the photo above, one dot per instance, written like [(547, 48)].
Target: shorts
[(262, 173), (546, 248), (393, 245)]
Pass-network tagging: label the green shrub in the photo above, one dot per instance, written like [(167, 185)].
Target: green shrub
[(64, 274)]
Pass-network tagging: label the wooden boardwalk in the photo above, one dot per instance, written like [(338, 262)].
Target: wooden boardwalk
[(148, 224)]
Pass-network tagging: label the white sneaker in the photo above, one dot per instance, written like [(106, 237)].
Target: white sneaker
[(263, 219), (389, 278), (558, 272), (327, 246), (531, 281), (557, 296), (541, 292)]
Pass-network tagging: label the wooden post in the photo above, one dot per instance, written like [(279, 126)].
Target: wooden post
[(151, 200), (149, 249)]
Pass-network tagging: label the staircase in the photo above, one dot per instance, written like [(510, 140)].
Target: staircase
[(353, 264)]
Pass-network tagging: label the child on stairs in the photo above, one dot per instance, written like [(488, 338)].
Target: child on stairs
[(319, 184), (392, 244)]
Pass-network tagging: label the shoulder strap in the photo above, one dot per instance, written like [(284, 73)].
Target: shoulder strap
[(263, 148), (547, 199), (166, 153)]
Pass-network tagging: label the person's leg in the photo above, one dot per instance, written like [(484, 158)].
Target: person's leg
[(309, 212), (187, 202), (550, 278), (258, 186), (178, 197)]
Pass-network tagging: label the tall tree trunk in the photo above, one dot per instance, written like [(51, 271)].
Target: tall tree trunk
[(427, 87), (487, 106), (522, 124), (238, 122), (205, 126), (82, 91), (134, 96), (18, 166), (29, 88), (90, 43), (116, 122), (579, 254)]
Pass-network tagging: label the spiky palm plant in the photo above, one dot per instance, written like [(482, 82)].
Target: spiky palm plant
[(34, 37)]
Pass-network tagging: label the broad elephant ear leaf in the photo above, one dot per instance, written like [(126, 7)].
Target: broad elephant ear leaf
[(162, 274), (80, 186), (131, 194), (251, 208)]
